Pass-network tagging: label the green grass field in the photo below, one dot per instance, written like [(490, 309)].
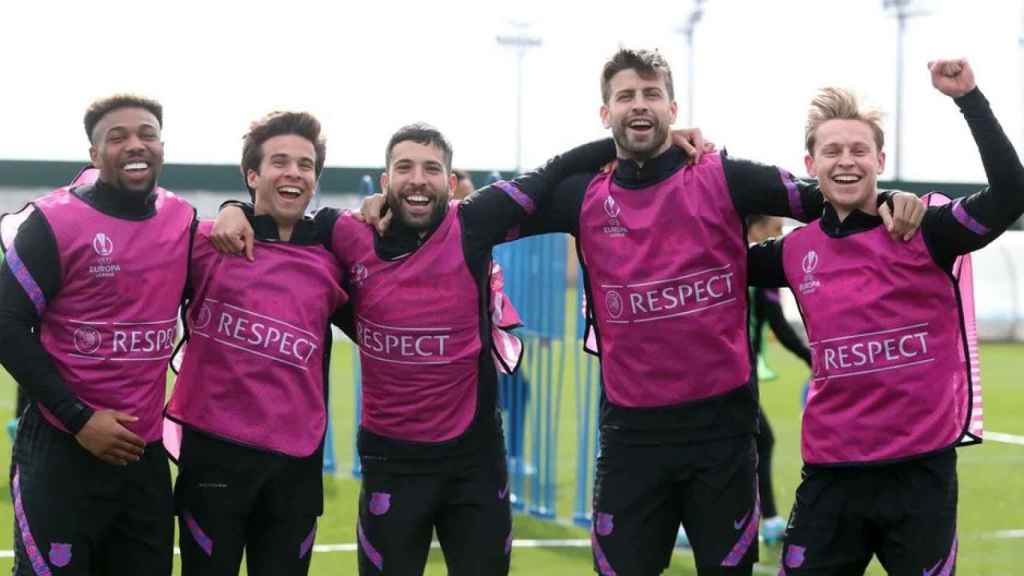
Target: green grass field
[(991, 478)]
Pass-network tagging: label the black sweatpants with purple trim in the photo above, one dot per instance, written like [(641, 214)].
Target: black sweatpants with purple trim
[(644, 491), (903, 513), (75, 515), (232, 498), (468, 505)]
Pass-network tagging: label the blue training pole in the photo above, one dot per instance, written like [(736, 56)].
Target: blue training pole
[(366, 188)]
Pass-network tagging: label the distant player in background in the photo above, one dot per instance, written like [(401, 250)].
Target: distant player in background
[(766, 309), (463, 185)]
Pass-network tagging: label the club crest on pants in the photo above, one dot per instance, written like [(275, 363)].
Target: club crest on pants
[(795, 556), (60, 554), (380, 503), (604, 524)]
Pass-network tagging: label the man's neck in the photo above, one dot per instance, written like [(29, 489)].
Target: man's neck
[(284, 228), (870, 207), (641, 159), (117, 201), (106, 186)]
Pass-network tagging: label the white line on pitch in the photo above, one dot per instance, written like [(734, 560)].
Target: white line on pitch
[(1004, 438), (1005, 534)]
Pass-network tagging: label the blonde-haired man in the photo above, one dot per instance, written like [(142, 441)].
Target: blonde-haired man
[(891, 392)]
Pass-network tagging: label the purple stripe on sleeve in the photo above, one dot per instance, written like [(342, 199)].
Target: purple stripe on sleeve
[(368, 548), (28, 283), (967, 221), (200, 537), (516, 194), (308, 542), (796, 207), (35, 558)]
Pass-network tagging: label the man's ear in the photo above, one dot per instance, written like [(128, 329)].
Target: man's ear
[(252, 177), (605, 113)]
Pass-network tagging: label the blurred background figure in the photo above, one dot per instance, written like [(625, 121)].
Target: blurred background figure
[(465, 186), (766, 311)]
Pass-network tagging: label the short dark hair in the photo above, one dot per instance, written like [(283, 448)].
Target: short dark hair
[(646, 63), (420, 133), (280, 123), (100, 108)]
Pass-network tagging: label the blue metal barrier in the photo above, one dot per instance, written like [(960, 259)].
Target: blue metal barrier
[(366, 188), (535, 270), (587, 389), (330, 464)]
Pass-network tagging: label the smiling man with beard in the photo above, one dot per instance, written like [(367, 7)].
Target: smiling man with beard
[(89, 293), (430, 441), (417, 183)]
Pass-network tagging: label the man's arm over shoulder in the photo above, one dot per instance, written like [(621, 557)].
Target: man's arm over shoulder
[(30, 278), (763, 189), (491, 213)]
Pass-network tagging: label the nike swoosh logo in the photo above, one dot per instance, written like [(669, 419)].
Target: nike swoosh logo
[(504, 492), (934, 568), (739, 523)]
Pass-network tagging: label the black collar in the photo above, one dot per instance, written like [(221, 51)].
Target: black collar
[(265, 228), (855, 222), (629, 174), (116, 202)]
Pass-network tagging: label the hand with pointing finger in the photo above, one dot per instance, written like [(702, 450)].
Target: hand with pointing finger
[(905, 216)]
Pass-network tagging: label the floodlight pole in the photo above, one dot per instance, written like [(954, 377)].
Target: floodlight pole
[(520, 42), (902, 12), (687, 30)]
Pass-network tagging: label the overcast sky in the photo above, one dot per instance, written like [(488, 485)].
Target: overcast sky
[(366, 68)]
